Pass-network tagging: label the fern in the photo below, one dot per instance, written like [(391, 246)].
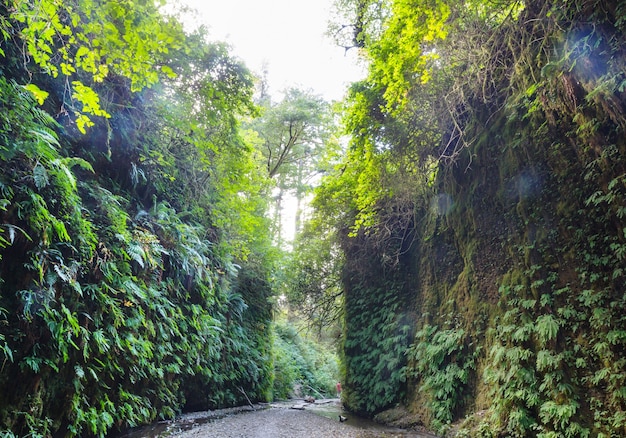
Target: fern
[(40, 176), (442, 361), (547, 328), (136, 253)]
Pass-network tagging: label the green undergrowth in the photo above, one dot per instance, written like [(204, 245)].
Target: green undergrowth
[(303, 365)]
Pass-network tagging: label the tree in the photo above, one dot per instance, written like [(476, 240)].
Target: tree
[(87, 42), (292, 135), (313, 276), (292, 131), (356, 22)]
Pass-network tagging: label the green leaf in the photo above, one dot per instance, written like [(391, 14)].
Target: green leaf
[(546, 328), (40, 176), (39, 94)]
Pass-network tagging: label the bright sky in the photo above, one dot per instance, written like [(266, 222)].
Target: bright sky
[(288, 36)]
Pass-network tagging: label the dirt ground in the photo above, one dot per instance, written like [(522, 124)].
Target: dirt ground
[(283, 421)]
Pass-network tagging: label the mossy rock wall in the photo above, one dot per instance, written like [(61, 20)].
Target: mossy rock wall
[(520, 286)]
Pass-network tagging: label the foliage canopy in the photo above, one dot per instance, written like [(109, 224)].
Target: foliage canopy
[(87, 42)]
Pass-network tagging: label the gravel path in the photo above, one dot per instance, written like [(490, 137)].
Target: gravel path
[(283, 422)]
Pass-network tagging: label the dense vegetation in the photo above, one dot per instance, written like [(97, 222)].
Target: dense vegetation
[(135, 260), (478, 215), (138, 261), (468, 243), (304, 365)]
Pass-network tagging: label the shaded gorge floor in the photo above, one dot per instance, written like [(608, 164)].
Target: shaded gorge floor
[(290, 419)]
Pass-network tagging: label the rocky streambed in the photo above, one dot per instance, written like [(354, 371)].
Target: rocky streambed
[(292, 419)]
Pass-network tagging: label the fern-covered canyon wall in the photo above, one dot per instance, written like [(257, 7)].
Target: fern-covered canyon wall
[(469, 242), (486, 291), (134, 277)]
